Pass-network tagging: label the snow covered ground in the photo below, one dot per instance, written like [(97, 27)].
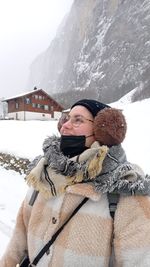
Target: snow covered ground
[(12, 191), (24, 139)]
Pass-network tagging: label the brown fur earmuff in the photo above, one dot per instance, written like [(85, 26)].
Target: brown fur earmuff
[(110, 127)]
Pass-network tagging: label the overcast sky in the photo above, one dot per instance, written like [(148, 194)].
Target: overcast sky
[(26, 29)]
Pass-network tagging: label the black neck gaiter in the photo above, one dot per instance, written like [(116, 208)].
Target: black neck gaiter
[(72, 145)]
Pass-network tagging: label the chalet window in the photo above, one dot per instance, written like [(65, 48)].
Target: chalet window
[(40, 97), (27, 100), (34, 105), (38, 105), (46, 107), (17, 105)]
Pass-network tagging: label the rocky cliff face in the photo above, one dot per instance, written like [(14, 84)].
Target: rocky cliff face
[(101, 50)]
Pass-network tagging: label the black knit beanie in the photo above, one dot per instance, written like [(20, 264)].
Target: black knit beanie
[(92, 105)]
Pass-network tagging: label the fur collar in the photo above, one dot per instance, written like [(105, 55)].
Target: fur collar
[(107, 170)]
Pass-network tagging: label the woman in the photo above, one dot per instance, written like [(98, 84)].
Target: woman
[(87, 161)]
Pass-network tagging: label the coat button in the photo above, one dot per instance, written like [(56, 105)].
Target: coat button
[(54, 220)]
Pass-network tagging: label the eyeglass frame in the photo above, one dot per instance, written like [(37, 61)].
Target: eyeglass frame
[(67, 118)]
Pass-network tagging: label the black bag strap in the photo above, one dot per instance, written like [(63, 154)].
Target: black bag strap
[(33, 197), (113, 199), (51, 241)]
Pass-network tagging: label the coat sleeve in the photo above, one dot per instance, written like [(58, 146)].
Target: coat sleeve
[(132, 232), (17, 246)]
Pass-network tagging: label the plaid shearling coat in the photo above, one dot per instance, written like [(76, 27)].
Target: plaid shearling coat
[(86, 239)]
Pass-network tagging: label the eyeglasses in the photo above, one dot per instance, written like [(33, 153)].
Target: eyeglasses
[(76, 120)]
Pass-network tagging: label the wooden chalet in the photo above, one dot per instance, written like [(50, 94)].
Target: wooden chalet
[(34, 105)]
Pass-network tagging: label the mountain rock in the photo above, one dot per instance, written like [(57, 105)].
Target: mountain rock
[(101, 50)]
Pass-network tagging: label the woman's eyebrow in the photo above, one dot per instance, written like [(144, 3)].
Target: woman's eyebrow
[(75, 115)]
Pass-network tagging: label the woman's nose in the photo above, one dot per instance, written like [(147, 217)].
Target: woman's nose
[(66, 125)]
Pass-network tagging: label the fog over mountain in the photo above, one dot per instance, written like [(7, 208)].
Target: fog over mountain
[(26, 28), (101, 50)]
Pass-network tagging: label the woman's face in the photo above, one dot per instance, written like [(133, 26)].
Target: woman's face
[(79, 122)]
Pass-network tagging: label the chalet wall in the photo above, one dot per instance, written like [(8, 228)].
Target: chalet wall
[(21, 115)]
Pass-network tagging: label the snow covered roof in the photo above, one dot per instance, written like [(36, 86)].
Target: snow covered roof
[(24, 94), (66, 110)]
